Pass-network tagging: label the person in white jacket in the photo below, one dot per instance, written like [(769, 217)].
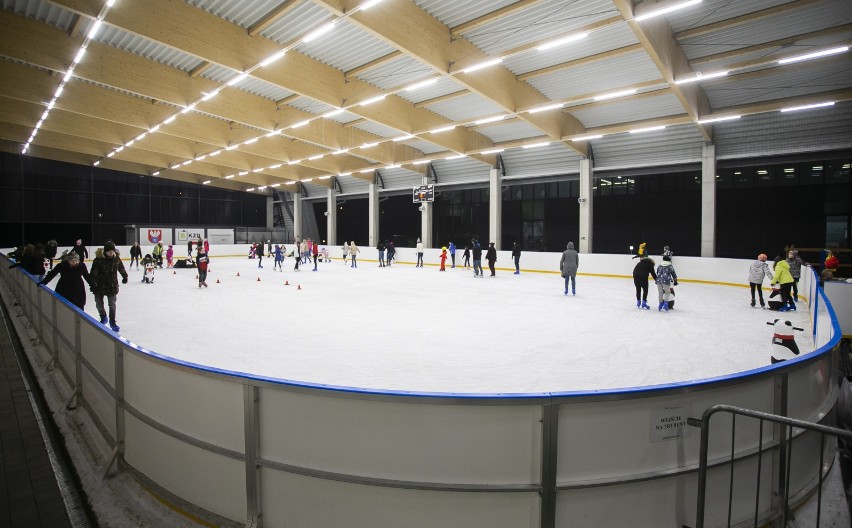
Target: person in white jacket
[(345, 248), (353, 252), (419, 254), (759, 268)]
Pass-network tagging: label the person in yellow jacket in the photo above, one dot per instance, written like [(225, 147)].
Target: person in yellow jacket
[(158, 254), (784, 279)]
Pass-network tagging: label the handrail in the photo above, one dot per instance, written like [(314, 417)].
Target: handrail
[(704, 425)]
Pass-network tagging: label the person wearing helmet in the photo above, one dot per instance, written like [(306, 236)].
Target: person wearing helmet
[(759, 268), (443, 258)]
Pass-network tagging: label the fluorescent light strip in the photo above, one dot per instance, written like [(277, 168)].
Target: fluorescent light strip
[(587, 138), (111, 154), (250, 190), (250, 141), (341, 151), (366, 171), (185, 163), (243, 173), (275, 185), (649, 129), (807, 107), (97, 163), (718, 119), (94, 30), (141, 136), (482, 65), (545, 108), (232, 147), (188, 108), (459, 156), (273, 133), (258, 170), (205, 182), (493, 151), (665, 10), (154, 129), (239, 78), (403, 138), (272, 58), (333, 113), (262, 188), (373, 100), (132, 141), (119, 149), (442, 129), (215, 153), (393, 166), (229, 177), (421, 162), (79, 55), (318, 32), (312, 158), (308, 179), (421, 84), (536, 145), (169, 120), (210, 95), (301, 123), (276, 166), (68, 75), (294, 162), (559, 42), (155, 173), (702, 76), (325, 177), (199, 158), (368, 145), (814, 55), (289, 183), (613, 95), (489, 120), (368, 4), (58, 91), (345, 174)]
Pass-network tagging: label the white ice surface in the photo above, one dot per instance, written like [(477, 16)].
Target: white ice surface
[(418, 329)]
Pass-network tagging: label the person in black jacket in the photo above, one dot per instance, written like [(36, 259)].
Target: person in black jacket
[(135, 254), (50, 251), (516, 254), (491, 257), (80, 249), (105, 281), (31, 260), (477, 259), (644, 268), (71, 273), (259, 254)]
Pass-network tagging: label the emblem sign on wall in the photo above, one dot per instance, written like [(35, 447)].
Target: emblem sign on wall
[(149, 236), (185, 235)]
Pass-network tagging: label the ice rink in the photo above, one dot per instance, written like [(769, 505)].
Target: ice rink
[(417, 329)]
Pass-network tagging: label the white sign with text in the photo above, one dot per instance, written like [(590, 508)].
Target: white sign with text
[(669, 422)]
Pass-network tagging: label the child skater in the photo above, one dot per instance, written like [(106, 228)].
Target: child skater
[(202, 260), (758, 269), (443, 258), (666, 276), (466, 256), (148, 264), (279, 258), (644, 268), (783, 277), (170, 255)]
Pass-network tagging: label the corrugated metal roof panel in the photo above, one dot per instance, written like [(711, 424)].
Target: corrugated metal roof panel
[(397, 73), (41, 11), (465, 108), (461, 171), (353, 185), (314, 190), (453, 13), (395, 179), (378, 129), (297, 23), (552, 160), (542, 20), (444, 86), (681, 144), (263, 89), (774, 133), (712, 11), (312, 106), (426, 147), (243, 13), (345, 47), (816, 17), (144, 47), (509, 131), (608, 38), (598, 77), (627, 110), (803, 79)]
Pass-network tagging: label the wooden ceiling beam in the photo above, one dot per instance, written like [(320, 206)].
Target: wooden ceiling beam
[(492, 16), (744, 19), (273, 16)]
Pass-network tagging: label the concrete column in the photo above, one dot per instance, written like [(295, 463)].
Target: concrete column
[(426, 219), (331, 218), (495, 208), (708, 201), (373, 195), (586, 205), (297, 215), (270, 222)]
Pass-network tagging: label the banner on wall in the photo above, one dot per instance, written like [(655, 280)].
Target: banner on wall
[(185, 234), (220, 236), (149, 236)]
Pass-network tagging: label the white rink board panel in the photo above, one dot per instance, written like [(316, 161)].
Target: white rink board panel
[(213, 482), (456, 444), (626, 425), (306, 502), (202, 407), (101, 401), (99, 350), (809, 386), (65, 324)]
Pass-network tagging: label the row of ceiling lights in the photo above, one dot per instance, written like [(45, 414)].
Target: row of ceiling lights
[(420, 84)]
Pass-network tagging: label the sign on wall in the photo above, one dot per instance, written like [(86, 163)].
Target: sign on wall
[(669, 422), (149, 236), (220, 236), (185, 234)]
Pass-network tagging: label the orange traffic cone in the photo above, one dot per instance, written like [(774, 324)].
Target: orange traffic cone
[(238, 274), (300, 287), (258, 279), (286, 283), (217, 281)]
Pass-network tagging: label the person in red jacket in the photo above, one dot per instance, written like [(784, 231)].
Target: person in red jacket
[(315, 251), (443, 258)]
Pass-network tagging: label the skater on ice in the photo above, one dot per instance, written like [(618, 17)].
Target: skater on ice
[(568, 267), (72, 272), (203, 260), (759, 268), (135, 255), (784, 279), (666, 277), (443, 258), (104, 269), (148, 266), (644, 268)]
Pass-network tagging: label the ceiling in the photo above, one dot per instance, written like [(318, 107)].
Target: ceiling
[(246, 94)]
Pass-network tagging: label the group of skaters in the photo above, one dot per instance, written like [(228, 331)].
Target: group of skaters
[(665, 277), (302, 252), (784, 278)]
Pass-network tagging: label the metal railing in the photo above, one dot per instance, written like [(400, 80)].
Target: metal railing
[(784, 458)]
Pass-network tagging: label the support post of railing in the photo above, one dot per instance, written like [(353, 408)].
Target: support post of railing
[(702, 468), (54, 354), (78, 365), (40, 332), (549, 443), (779, 499), (118, 452), (251, 413)]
